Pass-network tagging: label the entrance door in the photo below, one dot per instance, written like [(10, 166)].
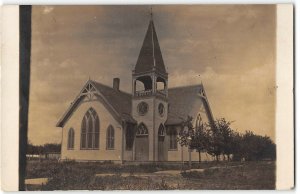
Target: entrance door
[(161, 141), (142, 144)]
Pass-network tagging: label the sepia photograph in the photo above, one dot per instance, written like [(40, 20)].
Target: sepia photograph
[(151, 97)]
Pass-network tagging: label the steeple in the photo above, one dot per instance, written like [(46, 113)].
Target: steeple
[(149, 78), (150, 57), (150, 98)]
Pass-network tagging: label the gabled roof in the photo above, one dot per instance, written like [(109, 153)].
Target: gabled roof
[(117, 102), (150, 56), (181, 102)]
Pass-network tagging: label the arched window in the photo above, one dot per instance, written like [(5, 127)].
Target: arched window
[(173, 140), (199, 123), (110, 137), (71, 135), (161, 131), (142, 130), (90, 127)]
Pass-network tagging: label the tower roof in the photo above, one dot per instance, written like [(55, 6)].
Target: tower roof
[(150, 56)]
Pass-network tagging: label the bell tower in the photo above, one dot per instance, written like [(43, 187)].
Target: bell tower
[(150, 99)]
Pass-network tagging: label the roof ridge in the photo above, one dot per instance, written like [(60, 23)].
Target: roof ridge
[(110, 87)]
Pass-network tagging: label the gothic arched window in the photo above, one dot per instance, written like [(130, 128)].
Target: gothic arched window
[(199, 123), (161, 131), (142, 130), (173, 139), (110, 137), (90, 127), (71, 135)]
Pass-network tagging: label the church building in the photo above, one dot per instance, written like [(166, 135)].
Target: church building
[(104, 123)]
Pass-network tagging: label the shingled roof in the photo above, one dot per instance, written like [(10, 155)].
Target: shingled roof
[(119, 100), (150, 56), (181, 102)]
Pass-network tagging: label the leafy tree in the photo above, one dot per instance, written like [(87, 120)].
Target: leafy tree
[(42, 149), (52, 147), (217, 138), (256, 147), (186, 132), (269, 148), (217, 133), (236, 146), (227, 135), (200, 140)]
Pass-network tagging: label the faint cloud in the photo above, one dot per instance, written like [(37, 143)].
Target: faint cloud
[(48, 9), (216, 45)]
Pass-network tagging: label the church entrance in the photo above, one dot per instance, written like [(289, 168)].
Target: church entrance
[(142, 144), (161, 140)]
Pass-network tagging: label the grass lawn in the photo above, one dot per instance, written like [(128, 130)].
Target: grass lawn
[(81, 176)]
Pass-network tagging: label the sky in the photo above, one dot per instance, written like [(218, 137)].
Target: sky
[(230, 48)]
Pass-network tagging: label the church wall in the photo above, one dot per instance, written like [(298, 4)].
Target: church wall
[(152, 120), (199, 109), (159, 120), (128, 155), (147, 119), (202, 111), (106, 119), (176, 155)]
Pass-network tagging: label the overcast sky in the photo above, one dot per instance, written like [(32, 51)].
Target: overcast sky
[(231, 49)]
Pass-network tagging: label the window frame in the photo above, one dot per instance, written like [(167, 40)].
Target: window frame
[(110, 138), (140, 133), (173, 133), (129, 139), (91, 130), (161, 131), (71, 139)]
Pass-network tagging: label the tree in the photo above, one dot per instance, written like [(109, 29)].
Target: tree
[(52, 147), (200, 139), (186, 132), (227, 135), (216, 139), (42, 149), (255, 147), (236, 146), (185, 136)]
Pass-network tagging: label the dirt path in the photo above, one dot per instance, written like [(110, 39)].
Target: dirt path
[(163, 173)]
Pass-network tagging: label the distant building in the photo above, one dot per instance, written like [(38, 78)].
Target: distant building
[(105, 123), (48, 155)]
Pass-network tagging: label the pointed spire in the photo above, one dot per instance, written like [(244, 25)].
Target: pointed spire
[(150, 57)]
